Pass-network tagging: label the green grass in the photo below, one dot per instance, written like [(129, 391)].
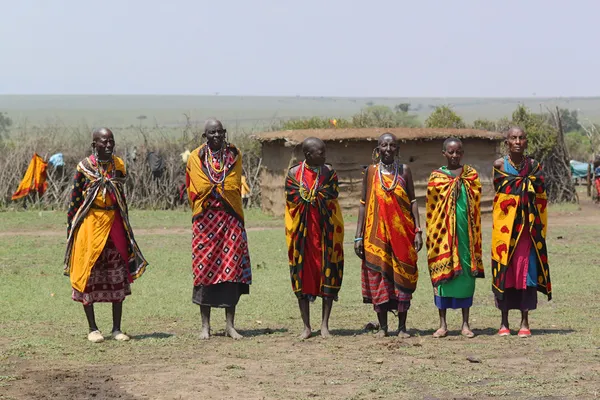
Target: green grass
[(43, 331), (56, 220)]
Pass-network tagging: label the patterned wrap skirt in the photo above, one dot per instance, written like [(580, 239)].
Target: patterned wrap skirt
[(109, 280)]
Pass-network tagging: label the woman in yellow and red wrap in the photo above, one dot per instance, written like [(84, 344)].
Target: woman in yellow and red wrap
[(314, 229), (519, 253), (102, 257), (220, 258), (454, 235), (388, 235)]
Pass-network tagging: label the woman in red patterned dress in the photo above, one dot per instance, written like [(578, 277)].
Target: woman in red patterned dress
[(220, 258)]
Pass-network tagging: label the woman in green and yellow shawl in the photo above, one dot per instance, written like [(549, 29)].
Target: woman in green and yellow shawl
[(454, 235)]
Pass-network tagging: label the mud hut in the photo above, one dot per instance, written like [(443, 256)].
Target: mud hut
[(350, 150)]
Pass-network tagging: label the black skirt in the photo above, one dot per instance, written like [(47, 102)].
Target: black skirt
[(514, 299), (222, 295)]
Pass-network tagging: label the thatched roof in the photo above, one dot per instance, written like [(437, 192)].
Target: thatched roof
[(403, 134)]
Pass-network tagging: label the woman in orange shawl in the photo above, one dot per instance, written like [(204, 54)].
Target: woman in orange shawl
[(102, 257), (388, 235), (220, 258)]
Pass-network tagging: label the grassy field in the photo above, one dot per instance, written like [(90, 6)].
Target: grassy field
[(250, 113), (44, 353)]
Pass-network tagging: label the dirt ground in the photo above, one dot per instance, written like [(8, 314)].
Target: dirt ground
[(270, 365)]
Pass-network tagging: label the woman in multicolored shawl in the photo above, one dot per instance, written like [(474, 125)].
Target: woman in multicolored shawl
[(314, 230), (454, 235), (102, 257), (220, 258), (519, 253), (388, 235)]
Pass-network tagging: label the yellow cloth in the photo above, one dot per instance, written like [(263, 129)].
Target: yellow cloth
[(245, 187), (442, 237), (199, 185), (34, 178), (91, 236)]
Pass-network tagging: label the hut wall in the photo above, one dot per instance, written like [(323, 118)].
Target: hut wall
[(349, 158)]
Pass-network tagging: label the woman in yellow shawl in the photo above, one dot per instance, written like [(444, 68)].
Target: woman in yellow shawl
[(388, 235), (102, 257), (454, 235), (220, 258)]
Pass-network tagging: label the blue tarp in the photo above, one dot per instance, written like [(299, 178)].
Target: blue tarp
[(579, 169)]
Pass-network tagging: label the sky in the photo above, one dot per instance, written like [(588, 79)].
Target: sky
[(387, 48)]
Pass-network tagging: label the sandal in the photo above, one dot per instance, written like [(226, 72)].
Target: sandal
[(504, 332), (95, 337), (120, 336), (468, 334), (524, 333), (440, 333)]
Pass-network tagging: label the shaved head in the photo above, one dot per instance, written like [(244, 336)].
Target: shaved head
[(100, 132), (385, 136), (212, 124), (515, 129), (314, 151), (451, 140), (312, 143)]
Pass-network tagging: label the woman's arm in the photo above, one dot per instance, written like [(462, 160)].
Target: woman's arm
[(414, 207), (359, 247)]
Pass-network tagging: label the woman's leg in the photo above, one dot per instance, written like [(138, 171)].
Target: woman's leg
[(230, 321), (205, 315), (305, 313)]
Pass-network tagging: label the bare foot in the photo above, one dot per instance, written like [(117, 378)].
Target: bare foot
[(205, 333), (232, 333), (325, 333), (403, 334), (440, 333), (306, 333)]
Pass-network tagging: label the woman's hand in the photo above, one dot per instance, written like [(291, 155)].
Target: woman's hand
[(418, 241), (359, 249)]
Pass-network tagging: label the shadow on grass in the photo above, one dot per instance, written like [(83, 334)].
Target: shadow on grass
[(348, 332), (251, 333), (153, 335)]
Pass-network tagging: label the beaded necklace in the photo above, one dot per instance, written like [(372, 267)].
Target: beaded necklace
[(395, 180), (103, 169), (215, 174), (308, 194), (521, 165)]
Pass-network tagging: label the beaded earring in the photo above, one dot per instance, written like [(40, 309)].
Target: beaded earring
[(375, 156)]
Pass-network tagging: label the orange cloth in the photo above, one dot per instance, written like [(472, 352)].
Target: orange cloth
[(245, 187), (34, 179)]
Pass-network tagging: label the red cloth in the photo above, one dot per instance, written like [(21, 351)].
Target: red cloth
[(597, 182), (380, 291), (313, 252), (219, 247), (516, 274)]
